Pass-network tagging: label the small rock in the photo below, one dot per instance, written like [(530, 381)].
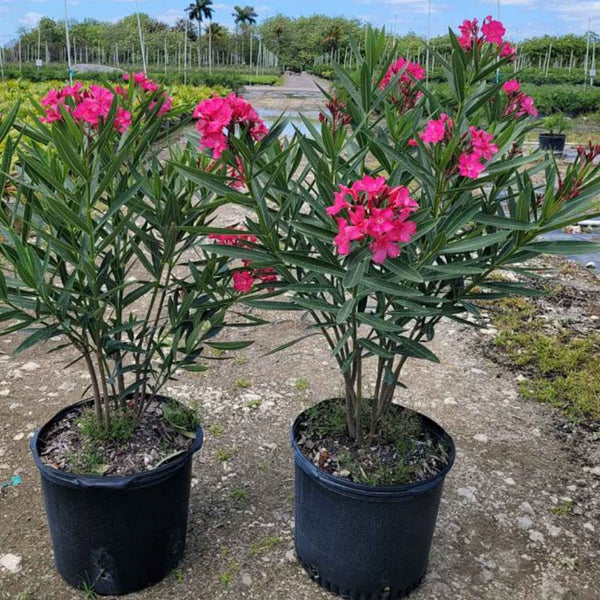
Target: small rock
[(589, 526), (4, 392), (510, 481), (19, 437), (30, 366), (521, 378), (525, 507), (477, 371), (11, 562), (450, 401), (489, 331), (536, 536), (466, 493), (290, 556), (481, 437), (590, 265), (552, 530), (344, 473), (595, 471), (524, 523), (246, 579)]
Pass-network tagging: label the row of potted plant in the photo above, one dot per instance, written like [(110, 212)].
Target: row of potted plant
[(392, 215)]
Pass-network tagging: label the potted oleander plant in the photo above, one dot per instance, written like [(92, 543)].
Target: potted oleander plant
[(554, 136), (98, 262), (394, 214)]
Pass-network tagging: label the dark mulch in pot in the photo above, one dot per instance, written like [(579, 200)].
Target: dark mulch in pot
[(76, 445), (402, 452)]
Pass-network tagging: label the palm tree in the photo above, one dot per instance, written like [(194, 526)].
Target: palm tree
[(198, 11), (333, 36), (245, 17)]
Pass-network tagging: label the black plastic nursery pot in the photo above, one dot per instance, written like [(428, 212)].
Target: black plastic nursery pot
[(552, 142), (365, 542), (114, 534)]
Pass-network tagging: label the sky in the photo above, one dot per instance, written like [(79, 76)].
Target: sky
[(523, 18)]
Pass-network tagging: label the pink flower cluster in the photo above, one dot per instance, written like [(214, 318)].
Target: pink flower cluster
[(439, 130), (243, 281), (519, 104), (141, 80), (407, 95), (217, 118), (375, 212), (480, 148), (492, 32), (86, 106)]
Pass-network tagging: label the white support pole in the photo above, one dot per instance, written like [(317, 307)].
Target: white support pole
[(428, 37), (68, 44), (139, 24), (587, 52)]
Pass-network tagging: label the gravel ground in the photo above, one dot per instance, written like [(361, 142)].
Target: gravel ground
[(503, 532)]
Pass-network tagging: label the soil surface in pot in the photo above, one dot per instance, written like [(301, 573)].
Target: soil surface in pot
[(403, 451), (78, 444)]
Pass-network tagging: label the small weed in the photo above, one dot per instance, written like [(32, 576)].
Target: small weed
[(120, 430), (255, 403), (238, 494), (223, 455), (25, 596), (264, 545), (180, 416), (88, 591), (563, 509), (215, 429), (226, 577), (243, 384), (178, 574), (301, 384), (240, 360), (85, 461)]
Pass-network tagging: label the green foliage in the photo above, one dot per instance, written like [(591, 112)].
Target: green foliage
[(120, 430), (90, 205), (297, 41), (264, 545), (466, 228), (238, 494), (563, 369), (181, 417), (557, 124)]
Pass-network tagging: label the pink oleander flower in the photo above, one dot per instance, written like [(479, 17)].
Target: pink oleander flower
[(470, 165), (512, 86), (481, 143), (469, 34), (493, 31), (437, 130), (406, 95), (376, 213), (144, 82), (122, 120), (412, 142), (243, 281), (528, 107), (165, 107), (217, 118), (519, 103), (508, 51), (338, 116)]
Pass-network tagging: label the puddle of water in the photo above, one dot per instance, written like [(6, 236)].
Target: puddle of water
[(584, 259)]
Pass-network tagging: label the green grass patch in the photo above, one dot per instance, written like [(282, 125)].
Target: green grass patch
[(563, 369)]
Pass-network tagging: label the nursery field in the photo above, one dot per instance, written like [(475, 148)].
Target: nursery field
[(520, 514)]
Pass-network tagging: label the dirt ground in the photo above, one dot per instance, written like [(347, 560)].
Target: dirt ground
[(518, 520)]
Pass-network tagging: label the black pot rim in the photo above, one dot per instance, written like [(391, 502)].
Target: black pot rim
[(555, 136), (381, 492), (138, 480)]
